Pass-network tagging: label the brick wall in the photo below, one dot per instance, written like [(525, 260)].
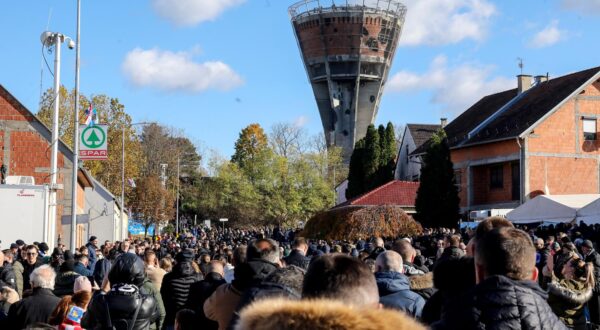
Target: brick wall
[(489, 150), (26, 151), (559, 158), (482, 194)]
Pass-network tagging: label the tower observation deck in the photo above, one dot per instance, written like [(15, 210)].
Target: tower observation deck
[(347, 47)]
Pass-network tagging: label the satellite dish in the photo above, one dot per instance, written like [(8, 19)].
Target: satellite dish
[(46, 38)]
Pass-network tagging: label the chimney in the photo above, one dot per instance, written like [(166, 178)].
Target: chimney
[(524, 82), (540, 79), (443, 122)]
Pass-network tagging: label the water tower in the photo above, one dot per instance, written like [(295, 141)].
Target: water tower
[(347, 47)]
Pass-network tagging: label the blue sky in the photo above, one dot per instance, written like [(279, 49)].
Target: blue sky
[(219, 65)]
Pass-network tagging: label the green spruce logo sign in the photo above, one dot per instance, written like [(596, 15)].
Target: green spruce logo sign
[(93, 142), (93, 137)]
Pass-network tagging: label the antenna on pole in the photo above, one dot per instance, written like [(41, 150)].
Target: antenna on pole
[(520, 60)]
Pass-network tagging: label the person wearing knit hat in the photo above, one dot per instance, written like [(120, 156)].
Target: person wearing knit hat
[(82, 284)]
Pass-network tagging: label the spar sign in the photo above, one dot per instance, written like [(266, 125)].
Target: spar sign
[(93, 142)]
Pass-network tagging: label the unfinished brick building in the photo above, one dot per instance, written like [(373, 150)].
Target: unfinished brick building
[(347, 48), (540, 138), (25, 151)]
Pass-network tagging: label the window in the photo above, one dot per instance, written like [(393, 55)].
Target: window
[(589, 129), (458, 180), (496, 176)]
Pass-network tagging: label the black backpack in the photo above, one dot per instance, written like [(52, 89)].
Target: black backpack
[(123, 290)]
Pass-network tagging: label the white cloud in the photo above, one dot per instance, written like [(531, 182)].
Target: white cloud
[(192, 12), (454, 88), (301, 121), (586, 7), (176, 71), (440, 22), (548, 36)]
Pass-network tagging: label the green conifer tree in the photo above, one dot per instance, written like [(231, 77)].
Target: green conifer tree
[(437, 203)]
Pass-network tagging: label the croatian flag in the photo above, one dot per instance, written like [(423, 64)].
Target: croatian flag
[(91, 116)]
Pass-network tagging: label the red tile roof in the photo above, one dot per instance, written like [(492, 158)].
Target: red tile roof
[(402, 193)]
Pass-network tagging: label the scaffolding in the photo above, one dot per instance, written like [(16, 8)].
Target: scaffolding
[(309, 7)]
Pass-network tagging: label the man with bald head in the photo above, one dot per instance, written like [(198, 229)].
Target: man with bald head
[(200, 291), (394, 286)]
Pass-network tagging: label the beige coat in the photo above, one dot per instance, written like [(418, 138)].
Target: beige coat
[(155, 275), (221, 305)]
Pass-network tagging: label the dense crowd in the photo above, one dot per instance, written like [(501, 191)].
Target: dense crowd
[(492, 277)]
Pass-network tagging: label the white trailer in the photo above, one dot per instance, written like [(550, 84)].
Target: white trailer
[(24, 215)]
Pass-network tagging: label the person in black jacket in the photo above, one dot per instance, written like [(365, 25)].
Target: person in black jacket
[(103, 266), (65, 280), (31, 262), (452, 249), (175, 286), (507, 295), (128, 305), (200, 291), (298, 255), (408, 254), (451, 278), (38, 306), (7, 274), (590, 255)]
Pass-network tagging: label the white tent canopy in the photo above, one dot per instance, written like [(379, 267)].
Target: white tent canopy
[(590, 214), (553, 208)]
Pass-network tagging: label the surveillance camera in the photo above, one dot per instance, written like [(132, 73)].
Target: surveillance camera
[(71, 44)]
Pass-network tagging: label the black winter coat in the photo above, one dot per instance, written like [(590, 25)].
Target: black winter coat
[(122, 302), (27, 270), (297, 259), (199, 292), (594, 258), (502, 303), (101, 268), (8, 277), (35, 308), (175, 289), (65, 282)]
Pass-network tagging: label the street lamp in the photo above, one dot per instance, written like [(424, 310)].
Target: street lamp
[(55, 39), (123, 175), (177, 205)]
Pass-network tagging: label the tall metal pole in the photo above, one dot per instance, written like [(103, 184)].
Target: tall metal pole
[(57, 38), (75, 136), (177, 212), (122, 183)]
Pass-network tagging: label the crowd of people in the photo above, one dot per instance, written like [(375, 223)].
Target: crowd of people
[(493, 277)]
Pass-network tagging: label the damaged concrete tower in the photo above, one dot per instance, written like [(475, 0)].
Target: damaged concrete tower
[(347, 47)]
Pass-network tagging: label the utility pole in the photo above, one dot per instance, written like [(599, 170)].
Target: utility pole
[(54, 153), (123, 176), (75, 136), (54, 39), (177, 211)]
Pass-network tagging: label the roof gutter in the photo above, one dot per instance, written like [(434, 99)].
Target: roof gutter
[(558, 106)]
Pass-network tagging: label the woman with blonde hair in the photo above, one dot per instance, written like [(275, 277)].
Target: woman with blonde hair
[(166, 264), (567, 296), (70, 310)]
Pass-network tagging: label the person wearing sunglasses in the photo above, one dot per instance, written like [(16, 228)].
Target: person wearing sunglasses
[(31, 262)]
